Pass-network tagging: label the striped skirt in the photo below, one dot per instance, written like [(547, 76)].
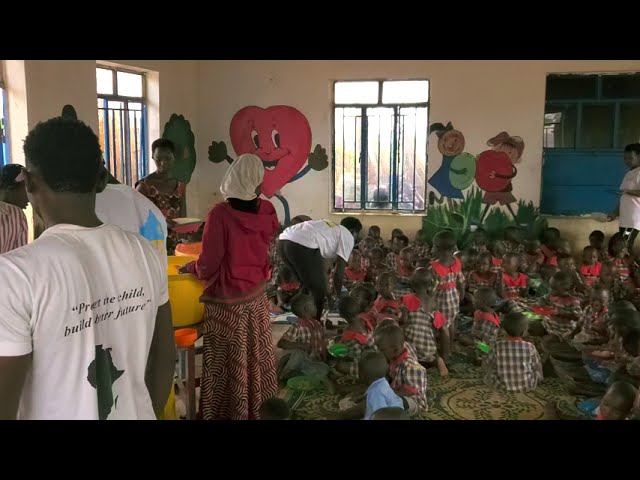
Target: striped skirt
[(239, 367)]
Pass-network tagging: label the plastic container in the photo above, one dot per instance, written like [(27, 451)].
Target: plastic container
[(184, 293), (185, 337), (192, 250), (169, 412)]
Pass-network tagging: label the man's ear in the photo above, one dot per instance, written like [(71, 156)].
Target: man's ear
[(103, 178), (30, 181)]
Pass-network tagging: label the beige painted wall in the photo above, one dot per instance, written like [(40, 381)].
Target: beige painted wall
[(481, 98)]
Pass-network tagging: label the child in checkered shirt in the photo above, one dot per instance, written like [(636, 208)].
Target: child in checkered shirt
[(630, 371), (593, 325), (376, 265), (306, 345), (421, 248), (386, 298), (404, 273), (566, 307), (596, 240), (468, 258), (479, 240), (449, 286), (498, 251), (486, 321), (514, 283), (547, 272), (609, 279), (393, 259), (533, 258), (422, 323), (513, 364), (591, 267), (513, 240), (619, 255), (550, 240), (357, 336), (364, 247), (354, 273), (365, 295), (408, 377), (374, 232), (482, 276), (395, 233), (567, 264)]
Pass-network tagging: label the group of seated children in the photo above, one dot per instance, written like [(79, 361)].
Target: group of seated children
[(409, 305)]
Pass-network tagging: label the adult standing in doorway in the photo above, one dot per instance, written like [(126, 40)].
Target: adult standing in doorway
[(167, 193), (239, 367), (306, 246), (14, 229), (628, 212)]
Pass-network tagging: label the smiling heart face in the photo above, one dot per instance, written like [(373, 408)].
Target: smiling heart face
[(280, 135)]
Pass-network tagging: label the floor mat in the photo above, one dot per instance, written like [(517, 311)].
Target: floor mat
[(460, 396)]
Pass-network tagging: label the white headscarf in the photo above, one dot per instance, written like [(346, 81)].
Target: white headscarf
[(242, 178)]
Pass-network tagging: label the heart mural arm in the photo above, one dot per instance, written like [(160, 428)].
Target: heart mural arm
[(317, 160), (218, 153), (285, 207), (301, 173)]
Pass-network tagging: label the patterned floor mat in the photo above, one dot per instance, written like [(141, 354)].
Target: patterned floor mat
[(460, 396)]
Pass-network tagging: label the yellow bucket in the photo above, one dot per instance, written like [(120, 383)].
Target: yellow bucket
[(184, 293)]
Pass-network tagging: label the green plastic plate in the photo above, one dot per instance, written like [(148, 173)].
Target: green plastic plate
[(338, 350), (302, 383), (483, 347)]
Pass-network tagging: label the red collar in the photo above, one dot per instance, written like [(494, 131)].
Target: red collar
[(496, 262), (488, 316), (412, 302), (443, 271), (520, 281), (366, 320), (515, 339), (399, 359), (361, 338), (439, 320), (592, 270)]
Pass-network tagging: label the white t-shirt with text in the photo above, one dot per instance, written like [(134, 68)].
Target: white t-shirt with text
[(331, 239), (630, 205), (83, 301)]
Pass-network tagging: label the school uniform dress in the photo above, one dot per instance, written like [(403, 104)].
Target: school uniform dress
[(529, 260), (403, 281), (623, 266), (407, 374), (353, 277), (511, 287), (550, 255), (419, 330), (590, 274), (496, 266), (383, 303), (297, 362), (380, 395), (486, 326), (394, 263), (358, 343), (475, 280), (593, 326), (563, 322), (447, 296), (513, 365)]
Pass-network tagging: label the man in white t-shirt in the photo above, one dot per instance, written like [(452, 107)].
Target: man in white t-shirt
[(85, 321), (629, 207), (305, 246), (128, 209)]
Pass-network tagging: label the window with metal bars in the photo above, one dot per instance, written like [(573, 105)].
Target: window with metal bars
[(380, 145), (4, 146), (122, 116)]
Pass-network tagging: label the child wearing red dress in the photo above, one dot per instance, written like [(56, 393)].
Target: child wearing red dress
[(514, 283), (596, 240), (386, 298), (567, 311), (549, 245), (449, 280), (486, 322), (609, 279), (357, 336), (591, 266), (422, 323), (619, 255), (354, 273), (497, 250), (567, 264), (482, 276), (479, 240)]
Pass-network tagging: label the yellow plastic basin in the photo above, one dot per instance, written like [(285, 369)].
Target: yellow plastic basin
[(184, 293)]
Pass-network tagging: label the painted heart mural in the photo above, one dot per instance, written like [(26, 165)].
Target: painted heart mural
[(280, 136)]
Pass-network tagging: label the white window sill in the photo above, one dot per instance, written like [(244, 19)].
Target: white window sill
[(369, 213)]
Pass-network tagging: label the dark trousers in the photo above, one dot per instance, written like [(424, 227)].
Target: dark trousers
[(629, 235), (308, 265)]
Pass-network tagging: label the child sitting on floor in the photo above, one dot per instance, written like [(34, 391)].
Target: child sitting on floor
[(547, 271), (376, 265), (357, 336), (408, 377), (562, 323), (479, 240), (617, 403), (394, 262), (567, 264), (374, 232), (513, 364), (365, 295), (449, 281), (591, 266), (512, 241), (373, 374), (288, 286), (422, 324), (404, 273), (366, 245), (421, 248), (609, 279), (619, 255), (514, 283), (631, 290), (482, 276), (275, 409), (497, 250), (486, 322), (387, 303), (533, 258), (550, 240), (595, 318), (305, 341), (354, 273), (630, 371), (596, 240), (395, 233)]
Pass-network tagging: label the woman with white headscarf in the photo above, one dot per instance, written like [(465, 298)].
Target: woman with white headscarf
[(239, 370)]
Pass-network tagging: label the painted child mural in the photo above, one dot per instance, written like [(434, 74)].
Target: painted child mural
[(496, 169), (280, 136)]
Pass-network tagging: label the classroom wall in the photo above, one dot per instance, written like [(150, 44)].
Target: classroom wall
[(480, 98)]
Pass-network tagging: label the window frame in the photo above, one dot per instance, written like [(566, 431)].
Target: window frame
[(143, 166), (363, 154), (5, 151)]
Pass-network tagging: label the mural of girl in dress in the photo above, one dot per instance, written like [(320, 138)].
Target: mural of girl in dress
[(450, 144), (496, 169)]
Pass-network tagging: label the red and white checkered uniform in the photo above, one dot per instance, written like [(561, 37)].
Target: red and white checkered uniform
[(550, 255), (513, 365), (420, 332), (528, 260), (408, 375), (590, 274), (594, 325), (496, 266), (567, 312), (486, 326), (308, 332), (381, 303), (446, 295), (511, 287), (353, 277), (615, 288), (358, 343), (394, 263), (624, 268), (475, 280)]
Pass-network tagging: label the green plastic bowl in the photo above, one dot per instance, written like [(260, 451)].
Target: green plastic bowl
[(338, 350), (301, 383), (536, 317), (483, 347)]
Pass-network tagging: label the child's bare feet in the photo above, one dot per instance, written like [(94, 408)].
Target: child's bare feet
[(442, 367)]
